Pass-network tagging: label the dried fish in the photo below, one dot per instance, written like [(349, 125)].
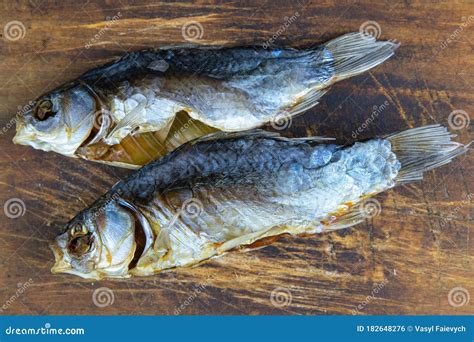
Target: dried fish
[(227, 191), (148, 103)]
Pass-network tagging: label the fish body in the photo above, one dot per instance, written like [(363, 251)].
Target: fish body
[(149, 102), (230, 190)]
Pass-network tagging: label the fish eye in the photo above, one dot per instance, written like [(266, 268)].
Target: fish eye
[(80, 244), (44, 110)]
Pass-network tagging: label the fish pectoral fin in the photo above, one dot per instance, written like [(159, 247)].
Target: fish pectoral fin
[(125, 126), (146, 117), (104, 120)]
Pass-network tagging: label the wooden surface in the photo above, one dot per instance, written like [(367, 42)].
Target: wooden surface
[(418, 248)]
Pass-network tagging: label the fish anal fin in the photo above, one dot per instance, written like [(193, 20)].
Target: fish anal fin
[(260, 243), (303, 102), (349, 214)]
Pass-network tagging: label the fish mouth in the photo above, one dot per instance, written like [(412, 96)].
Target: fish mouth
[(28, 137), (60, 266), (21, 137)]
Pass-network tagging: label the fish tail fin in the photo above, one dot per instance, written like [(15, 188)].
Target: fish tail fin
[(357, 52), (422, 149)]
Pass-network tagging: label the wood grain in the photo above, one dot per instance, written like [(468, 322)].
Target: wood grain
[(404, 261)]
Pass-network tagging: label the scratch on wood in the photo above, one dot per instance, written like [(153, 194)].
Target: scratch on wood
[(394, 99)]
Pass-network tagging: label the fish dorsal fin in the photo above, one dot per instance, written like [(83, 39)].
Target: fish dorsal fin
[(314, 138), (253, 133), (256, 133)]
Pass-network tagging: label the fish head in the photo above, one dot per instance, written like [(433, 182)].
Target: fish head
[(97, 243), (59, 121)]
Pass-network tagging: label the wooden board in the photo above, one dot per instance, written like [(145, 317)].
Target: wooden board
[(404, 261)]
